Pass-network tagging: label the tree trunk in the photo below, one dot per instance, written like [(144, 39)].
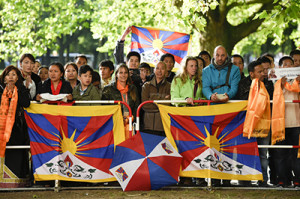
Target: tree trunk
[(61, 50), (219, 31)]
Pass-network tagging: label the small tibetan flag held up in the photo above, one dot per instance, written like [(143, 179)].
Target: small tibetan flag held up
[(152, 43), (74, 143), (210, 140)]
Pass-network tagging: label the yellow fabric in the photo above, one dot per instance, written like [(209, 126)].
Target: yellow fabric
[(7, 116), (257, 122), (278, 113)]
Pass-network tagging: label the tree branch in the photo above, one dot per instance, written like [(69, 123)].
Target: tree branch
[(246, 28), (235, 4)]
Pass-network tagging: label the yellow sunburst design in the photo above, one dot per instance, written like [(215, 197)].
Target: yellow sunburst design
[(157, 44), (212, 141), (69, 144)]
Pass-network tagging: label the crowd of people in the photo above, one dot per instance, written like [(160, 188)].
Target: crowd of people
[(218, 79)]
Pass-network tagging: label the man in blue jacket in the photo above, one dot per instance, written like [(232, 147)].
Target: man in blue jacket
[(220, 80)]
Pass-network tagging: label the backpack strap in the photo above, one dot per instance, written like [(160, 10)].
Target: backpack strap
[(227, 79)]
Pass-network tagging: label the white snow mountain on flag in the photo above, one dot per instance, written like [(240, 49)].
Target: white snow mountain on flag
[(69, 166)]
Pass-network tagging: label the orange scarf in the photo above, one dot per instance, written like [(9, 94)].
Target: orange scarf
[(257, 121), (124, 90), (278, 113), (7, 116)]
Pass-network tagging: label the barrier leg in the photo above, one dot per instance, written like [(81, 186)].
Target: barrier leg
[(57, 186), (209, 187)]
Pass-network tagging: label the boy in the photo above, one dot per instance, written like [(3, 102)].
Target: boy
[(85, 89), (295, 54)]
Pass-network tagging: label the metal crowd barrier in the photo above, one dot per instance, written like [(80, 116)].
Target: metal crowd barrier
[(209, 184), (137, 129)]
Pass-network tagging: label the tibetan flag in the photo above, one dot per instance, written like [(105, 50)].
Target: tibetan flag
[(210, 140), (152, 43), (74, 143)]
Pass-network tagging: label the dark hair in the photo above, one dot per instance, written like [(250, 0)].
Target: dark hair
[(41, 67), (84, 69), (204, 52), (269, 55), (198, 57), (162, 58), (72, 64), (95, 77), (145, 65), (133, 53), (128, 82), (294, 52), (252, 65), (107, 63), (237, 55), (30, 56), (82, 56), (60, 66), (19, 82), (264, 59), (285, 58)]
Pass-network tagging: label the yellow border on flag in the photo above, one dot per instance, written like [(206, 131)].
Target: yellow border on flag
[(85, 111), (39, 177), (206, 173), (218, 109)]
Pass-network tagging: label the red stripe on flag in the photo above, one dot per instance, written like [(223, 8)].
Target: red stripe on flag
[(139, 45), (39, 148), (174, 36), (154, 33), (187, 123), (184, 46), (222, 121), (140, 34), (31, 124), (189, 156), (243, 149), (236, 132), (98, 163), (92, 126), (177, 58), (101, 142)]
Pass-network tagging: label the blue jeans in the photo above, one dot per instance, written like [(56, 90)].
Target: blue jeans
[(263, 156)]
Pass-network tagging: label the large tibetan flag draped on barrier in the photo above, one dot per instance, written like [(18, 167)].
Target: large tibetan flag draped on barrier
[(74, 143), (210, 140), (152, 43)]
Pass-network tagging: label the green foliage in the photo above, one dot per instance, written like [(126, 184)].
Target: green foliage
[(285, 14), (33, 26)]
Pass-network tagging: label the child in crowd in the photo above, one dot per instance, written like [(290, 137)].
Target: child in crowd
[(35, 68), (85, 90), (43, 73)]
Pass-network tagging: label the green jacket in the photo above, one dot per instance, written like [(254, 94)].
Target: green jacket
[(180, 91), (110, 92), (91, 93)]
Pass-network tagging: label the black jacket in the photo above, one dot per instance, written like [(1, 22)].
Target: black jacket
[(19, 134), (46, 87), (110, 92)]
